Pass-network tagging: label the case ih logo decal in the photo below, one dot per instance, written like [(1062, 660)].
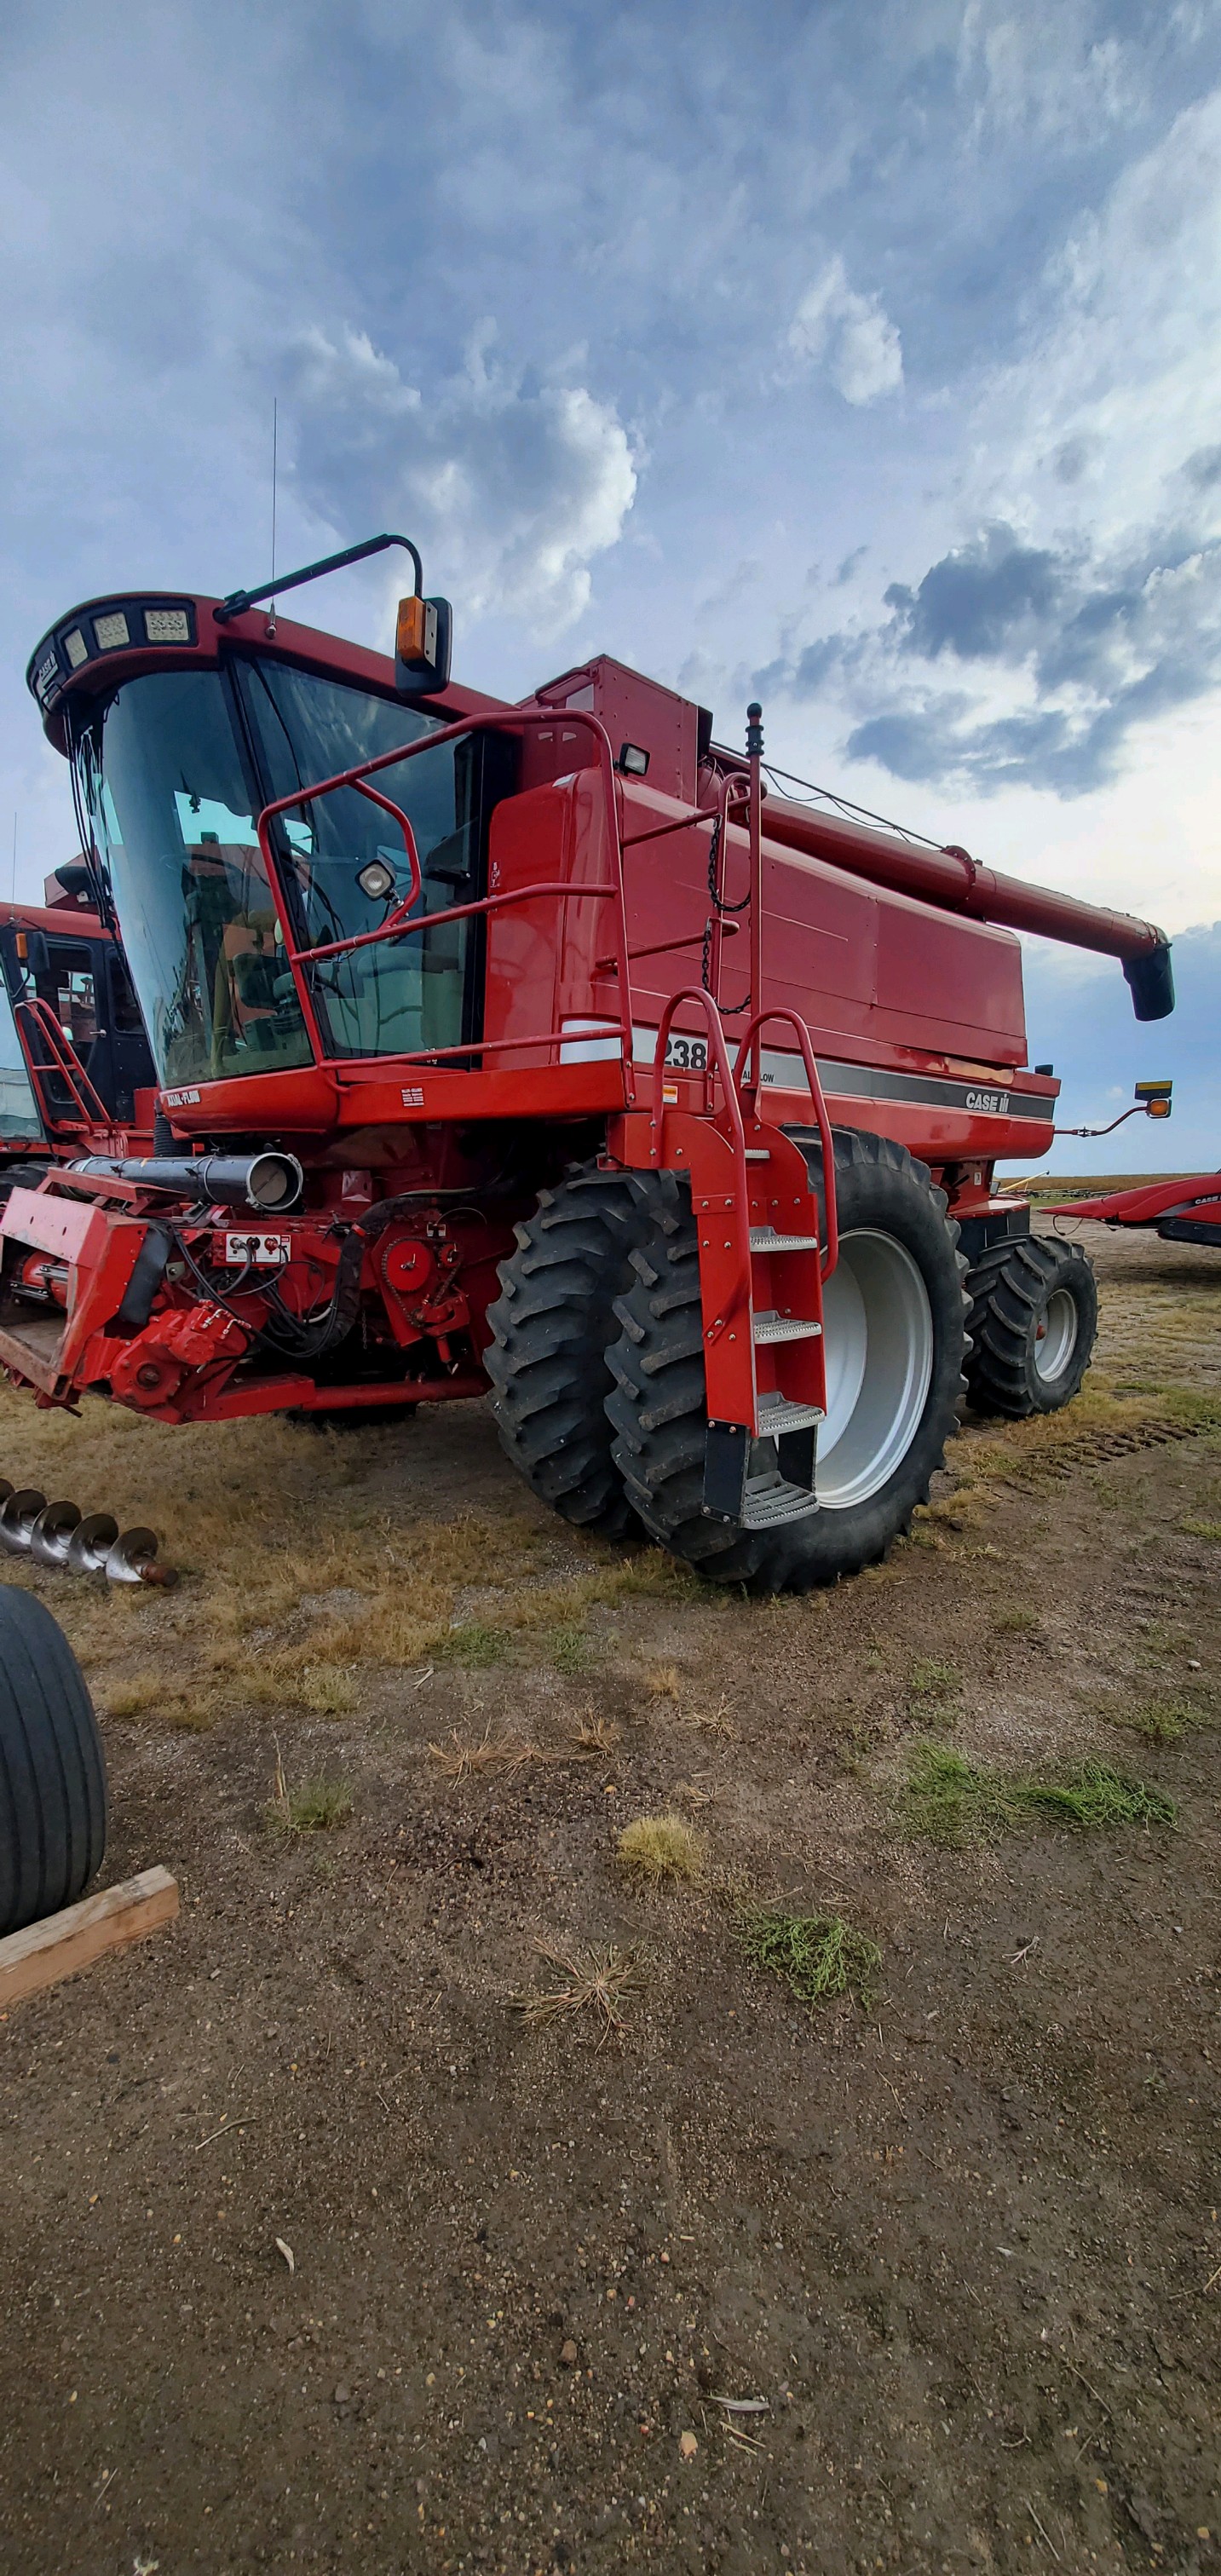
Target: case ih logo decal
[(996, 1102)]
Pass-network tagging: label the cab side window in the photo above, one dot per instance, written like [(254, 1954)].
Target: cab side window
[(66, 985)]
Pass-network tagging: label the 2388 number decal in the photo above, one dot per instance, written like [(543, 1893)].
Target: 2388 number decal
[(687, 1055)]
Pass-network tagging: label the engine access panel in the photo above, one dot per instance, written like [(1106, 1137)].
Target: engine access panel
[(670, 730)]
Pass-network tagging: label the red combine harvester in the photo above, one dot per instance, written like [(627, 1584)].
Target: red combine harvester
[(530, 1044), (75, 1068)]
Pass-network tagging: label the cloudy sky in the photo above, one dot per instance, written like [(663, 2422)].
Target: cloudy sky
[(866, 356)]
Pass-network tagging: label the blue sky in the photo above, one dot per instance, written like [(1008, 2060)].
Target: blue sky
[(868, 356)]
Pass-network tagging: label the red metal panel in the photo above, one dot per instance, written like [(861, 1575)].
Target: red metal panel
[(954, 983), (51, 1224)]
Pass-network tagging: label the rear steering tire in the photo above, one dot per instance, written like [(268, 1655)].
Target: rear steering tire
[(52, 1773), (1034, 1318), (550, 1327), (894, 1330)]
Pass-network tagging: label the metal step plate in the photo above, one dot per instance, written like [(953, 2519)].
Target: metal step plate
[(764, 1238), (771, 1501), (777, 1415), (785, 1328)]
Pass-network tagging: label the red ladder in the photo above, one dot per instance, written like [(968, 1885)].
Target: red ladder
[(764, 1252)]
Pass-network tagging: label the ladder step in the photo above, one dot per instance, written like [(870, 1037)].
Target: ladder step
[(771, 1500), (757, 1154), (785, 1328), (777, 1415), (764, 1238)]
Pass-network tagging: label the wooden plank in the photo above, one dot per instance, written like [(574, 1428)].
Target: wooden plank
[(63, 1943)]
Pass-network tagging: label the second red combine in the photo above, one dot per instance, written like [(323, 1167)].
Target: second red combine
[(545, 1046)]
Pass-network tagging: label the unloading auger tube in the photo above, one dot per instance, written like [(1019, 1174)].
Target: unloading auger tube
[(270, 1183), (567, 1053), (950, 877)]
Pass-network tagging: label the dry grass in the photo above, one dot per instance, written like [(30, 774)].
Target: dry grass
[(262, 1516), (663, 1681), (712, 1721), (1015, 1619), (589, 1742), (599, 1983), (661, 1847)]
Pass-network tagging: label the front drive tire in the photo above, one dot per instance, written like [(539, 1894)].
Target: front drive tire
[(52, 1774), (894, 1326), (1034, 1318), (550, 1326)]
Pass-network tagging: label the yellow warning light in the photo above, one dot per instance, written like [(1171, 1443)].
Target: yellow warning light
[(1154, 1098), (415, 635)]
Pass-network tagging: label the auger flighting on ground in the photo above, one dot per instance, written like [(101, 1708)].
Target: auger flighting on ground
[(60, 1535)]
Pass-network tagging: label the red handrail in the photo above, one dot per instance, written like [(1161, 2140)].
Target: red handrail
[(299, 959), (704, 1001), (90, 1107), (733, 1105), (749, 1073)]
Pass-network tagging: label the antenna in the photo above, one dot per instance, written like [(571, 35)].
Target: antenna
[(275, 444), (14, 891)]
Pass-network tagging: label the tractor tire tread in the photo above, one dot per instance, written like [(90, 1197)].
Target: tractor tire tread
[(52, 1769), (657, 1403), (550, 1327), (1009, 1286)]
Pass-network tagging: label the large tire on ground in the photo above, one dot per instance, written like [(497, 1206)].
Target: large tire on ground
[(1034, 1316), (550, 1328), (52, 1774), (894, 1326)]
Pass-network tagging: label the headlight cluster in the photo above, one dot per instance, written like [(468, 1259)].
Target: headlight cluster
[(106, 628)]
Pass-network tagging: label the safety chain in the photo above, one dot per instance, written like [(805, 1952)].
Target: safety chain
[(721, 909)]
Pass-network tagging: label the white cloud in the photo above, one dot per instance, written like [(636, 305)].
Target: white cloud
[(514, 485), (850, 335), (1120, 379)]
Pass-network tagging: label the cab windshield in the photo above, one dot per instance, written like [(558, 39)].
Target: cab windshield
[(176, 769)]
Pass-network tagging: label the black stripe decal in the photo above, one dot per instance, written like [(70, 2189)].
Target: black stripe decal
[(875, 1082)]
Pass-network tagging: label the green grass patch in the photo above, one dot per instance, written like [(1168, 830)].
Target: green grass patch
[(1202, 1529), (475, 1644), (1160, 1721), (1091, 1795), (1017, 1619), (949, 1800), (313, 1808), (931, 1680), (571, 1650), (819, 1956)]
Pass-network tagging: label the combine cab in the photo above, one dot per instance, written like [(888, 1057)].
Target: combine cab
[(75, 1068), (549, 1047)]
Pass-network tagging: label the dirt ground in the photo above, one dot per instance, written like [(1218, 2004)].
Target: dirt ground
[(318, 2253)]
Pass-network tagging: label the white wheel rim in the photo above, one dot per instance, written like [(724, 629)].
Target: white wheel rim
[(878, 1342), (1055, 1335)]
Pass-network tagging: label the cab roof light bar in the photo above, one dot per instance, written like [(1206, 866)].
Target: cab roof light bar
[(239, 601)]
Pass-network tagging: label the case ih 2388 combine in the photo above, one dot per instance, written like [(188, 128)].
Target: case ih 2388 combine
[(531, 1044)]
